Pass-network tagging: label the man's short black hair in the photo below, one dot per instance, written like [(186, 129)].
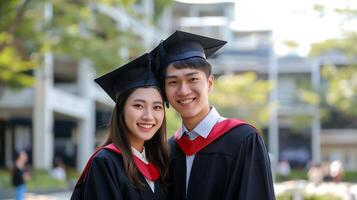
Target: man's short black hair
[(193, 63)]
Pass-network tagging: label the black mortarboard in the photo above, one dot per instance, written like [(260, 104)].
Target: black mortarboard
[(182, 45), (137, 73)]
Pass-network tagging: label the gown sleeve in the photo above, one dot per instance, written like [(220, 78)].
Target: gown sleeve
[(253, 166), (100, 181)]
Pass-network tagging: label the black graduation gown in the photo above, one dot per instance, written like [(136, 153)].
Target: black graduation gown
[(234, 166), (106, 179)]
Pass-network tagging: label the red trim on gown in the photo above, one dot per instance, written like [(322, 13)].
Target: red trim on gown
[(190, 147)]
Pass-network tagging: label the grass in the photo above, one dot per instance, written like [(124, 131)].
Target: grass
[(40, 180), (290, 196), (295, 174), (301, 174), (5, 179), (72, 174), (350, 176)]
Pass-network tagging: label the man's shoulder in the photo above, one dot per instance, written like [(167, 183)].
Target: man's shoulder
[(242, 130), (231, 142), (236, 136), (172, 140)]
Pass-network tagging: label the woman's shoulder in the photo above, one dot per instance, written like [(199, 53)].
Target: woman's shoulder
[(106, 155)]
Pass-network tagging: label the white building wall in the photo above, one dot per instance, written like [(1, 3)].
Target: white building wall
[(86, 140), (43, 116)]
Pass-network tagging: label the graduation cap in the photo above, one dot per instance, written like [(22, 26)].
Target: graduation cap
[(183, 45), (137, 73)]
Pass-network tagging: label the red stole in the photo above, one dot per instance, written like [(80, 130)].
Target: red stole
[(149, 170), (192, 147)]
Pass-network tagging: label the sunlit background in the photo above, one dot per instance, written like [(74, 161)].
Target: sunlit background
[(289, 68)]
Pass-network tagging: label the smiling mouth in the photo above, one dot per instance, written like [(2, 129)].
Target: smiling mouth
[(186, 101), (146, 126)]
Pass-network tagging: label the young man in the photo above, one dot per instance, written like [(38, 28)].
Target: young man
[(211, 157)]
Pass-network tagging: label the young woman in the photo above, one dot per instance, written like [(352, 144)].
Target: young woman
[(132, 163)]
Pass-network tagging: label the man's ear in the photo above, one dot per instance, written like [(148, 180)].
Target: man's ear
[(210, 83)]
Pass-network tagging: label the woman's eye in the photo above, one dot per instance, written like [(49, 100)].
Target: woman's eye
[(138, 106), (157, 107)]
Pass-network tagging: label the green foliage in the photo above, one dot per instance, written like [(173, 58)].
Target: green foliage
[(16, 57), (319, 8), (160, 6), (305, 92), (345, 45), (291, 44), (242, 96), (341, 90), (12, 68), (347, 12), (76, 30), (124, 3), (173, 121)]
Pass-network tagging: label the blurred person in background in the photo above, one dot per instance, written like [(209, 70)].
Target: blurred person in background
[(59, 169), (132, 163), (284, 169), (325, 167), (315, 174), (211, 157), (20, 174), (336, 170)]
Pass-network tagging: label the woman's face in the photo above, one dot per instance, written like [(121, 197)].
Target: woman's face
[(143, 115)]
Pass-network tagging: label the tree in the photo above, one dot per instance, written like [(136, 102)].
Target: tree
[(242, 96), (341, 88), (16, 58)]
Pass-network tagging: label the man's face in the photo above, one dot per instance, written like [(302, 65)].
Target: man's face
[(187, 91)]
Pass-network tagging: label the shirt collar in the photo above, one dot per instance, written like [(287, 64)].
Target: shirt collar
[(141, 156), (205, 126)]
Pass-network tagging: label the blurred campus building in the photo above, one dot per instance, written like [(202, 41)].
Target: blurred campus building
[(66, 114)]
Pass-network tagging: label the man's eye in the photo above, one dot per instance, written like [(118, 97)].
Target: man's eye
[(171, 82)]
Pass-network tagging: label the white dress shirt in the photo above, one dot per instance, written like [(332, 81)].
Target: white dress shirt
[(142, 157), (202, 129)]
